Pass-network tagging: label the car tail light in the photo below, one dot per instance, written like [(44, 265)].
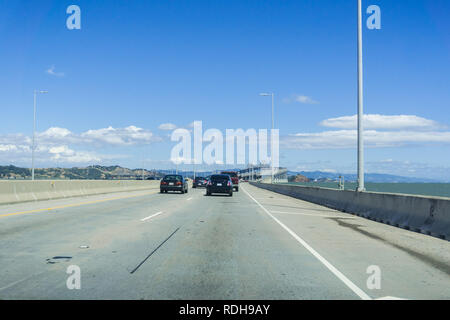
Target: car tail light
[(229, 183), (209, 183), (162, 182), (178, 183)]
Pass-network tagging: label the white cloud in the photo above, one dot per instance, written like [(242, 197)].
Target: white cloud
[(300, 99), (378, 121), (121, 136), (131, 135), (51, 71), (56, 132), (53, 144), (46, 153), (7, 147), (167, 126), (305, 100), (67, 155), (56, 135), (344, 139), (380, 131)]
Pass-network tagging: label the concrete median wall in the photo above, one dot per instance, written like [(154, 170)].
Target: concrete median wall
[(428, 215), (23, 191)]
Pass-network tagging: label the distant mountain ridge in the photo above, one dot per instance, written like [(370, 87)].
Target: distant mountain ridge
[(369, 177), (91, 173), (118, 172)]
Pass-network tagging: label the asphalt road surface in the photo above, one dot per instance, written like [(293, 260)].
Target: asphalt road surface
[(254, 245)]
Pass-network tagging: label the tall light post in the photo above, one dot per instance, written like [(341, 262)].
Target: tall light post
[(195, 169), (361, 187), (36, 92), (273, 127)]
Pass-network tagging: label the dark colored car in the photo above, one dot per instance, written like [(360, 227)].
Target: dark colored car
[(234, 178), (173, 182), (219, 183), (199, 182)]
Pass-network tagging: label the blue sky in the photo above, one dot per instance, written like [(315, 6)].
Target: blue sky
[(136, 65)]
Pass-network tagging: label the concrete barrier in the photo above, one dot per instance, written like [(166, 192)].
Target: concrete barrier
[(23, 191), (428, 215)]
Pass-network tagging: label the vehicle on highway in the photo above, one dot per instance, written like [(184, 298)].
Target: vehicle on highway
[(219, 183), (199, 182), (234, 178), (173, 182)]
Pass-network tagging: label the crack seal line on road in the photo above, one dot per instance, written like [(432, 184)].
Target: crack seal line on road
[(359, 292), (151, 253)]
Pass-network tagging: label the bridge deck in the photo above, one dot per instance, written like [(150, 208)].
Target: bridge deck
[(254, 245)]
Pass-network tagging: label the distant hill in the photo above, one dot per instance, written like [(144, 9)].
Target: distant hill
[(118, 172), (369, 177), (298, 178), (91, 173)]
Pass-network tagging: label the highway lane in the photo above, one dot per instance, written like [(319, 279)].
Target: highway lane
[(254, 245)]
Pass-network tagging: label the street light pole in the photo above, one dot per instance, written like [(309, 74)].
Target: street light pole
[(273, 127), (361, 187), (194, 170), (271, 142), (273, 111), (34, 132)]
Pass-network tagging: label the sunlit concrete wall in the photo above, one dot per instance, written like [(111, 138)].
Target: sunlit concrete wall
[(22, 191), (428, 215)]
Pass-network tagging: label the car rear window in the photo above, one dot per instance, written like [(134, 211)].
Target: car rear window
[(219, 178), (199, 179), (173, 177)]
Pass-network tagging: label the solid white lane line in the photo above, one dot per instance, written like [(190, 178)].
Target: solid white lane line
[(153, 215), (360, 293), (390, 298)]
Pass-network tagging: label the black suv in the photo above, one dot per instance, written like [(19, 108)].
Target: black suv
[(173, 182), (219, 183)]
